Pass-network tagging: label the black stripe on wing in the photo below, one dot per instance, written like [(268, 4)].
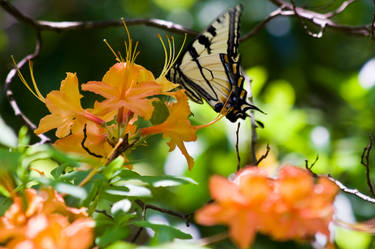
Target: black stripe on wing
[(234, 30)]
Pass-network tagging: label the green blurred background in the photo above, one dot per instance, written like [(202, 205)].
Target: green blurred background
[(318, 94)]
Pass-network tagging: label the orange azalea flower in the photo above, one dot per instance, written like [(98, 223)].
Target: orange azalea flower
[(177, 126), (126, 86), (95, 142), (46, 223), (288, 207), (65, 108)]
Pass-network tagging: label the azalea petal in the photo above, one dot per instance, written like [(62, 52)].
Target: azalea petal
[(223, 190), (166, 84), (243, 229), (208, 214), (69, 86), (295, 183), (189, 159), (100, 88), (47, 123)]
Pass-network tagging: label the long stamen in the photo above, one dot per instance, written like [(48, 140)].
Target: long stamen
[(165, 56), (135, 53), (113, 51), (119, 54), (34, 82), (129, 50), (173, 50), (36, 93), (170, 58), (179, 52)]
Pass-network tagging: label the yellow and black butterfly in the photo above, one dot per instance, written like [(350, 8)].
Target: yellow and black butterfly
[(210, 68)]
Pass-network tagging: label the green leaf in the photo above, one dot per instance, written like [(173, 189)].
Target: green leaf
[(160, 113), (94, 188), (75, 177), (155, 181), (121, 245), (163, 233), (4, 192), (111, 235), (347, 239), (23, 139), (167, 181), (4, 204), (8, 159), (111, 168), (129, 190), (59, 170), (174, 245), (72, 190), (121, 206)]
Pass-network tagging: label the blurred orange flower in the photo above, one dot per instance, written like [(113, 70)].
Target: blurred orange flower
[(45, 223), (292, 206)]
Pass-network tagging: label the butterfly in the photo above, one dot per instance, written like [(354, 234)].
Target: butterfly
[(210, 68)]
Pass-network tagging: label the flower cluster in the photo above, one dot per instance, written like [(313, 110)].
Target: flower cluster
[(41, 220), (292, 206), (124, 119)]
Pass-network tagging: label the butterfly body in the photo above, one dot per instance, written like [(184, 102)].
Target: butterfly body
[(210, 68)]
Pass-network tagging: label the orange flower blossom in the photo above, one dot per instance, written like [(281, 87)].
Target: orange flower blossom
[(45, 223), (129, 91), (291, 206)]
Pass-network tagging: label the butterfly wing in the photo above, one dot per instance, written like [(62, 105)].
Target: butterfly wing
[(200, 70), (210, 70), (221, 36)]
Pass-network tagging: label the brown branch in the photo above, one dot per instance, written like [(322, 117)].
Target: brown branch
[(145, 206), (254, 138), (67, 26), (261, 25), (309, 167), (237, 149), (342, 187), (351, 191), (340, 9), (9, 93), (264, 156), (322, 20), (104, 213), (365, 161), (303, 24), (285, 9)]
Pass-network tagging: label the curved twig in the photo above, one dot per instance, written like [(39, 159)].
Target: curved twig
[(322, 20), (67, 26), (261, 25), (9, 92), (237, 149), (352, 191)]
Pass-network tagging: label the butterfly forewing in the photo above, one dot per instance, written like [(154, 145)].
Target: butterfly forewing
[(221, 36)]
